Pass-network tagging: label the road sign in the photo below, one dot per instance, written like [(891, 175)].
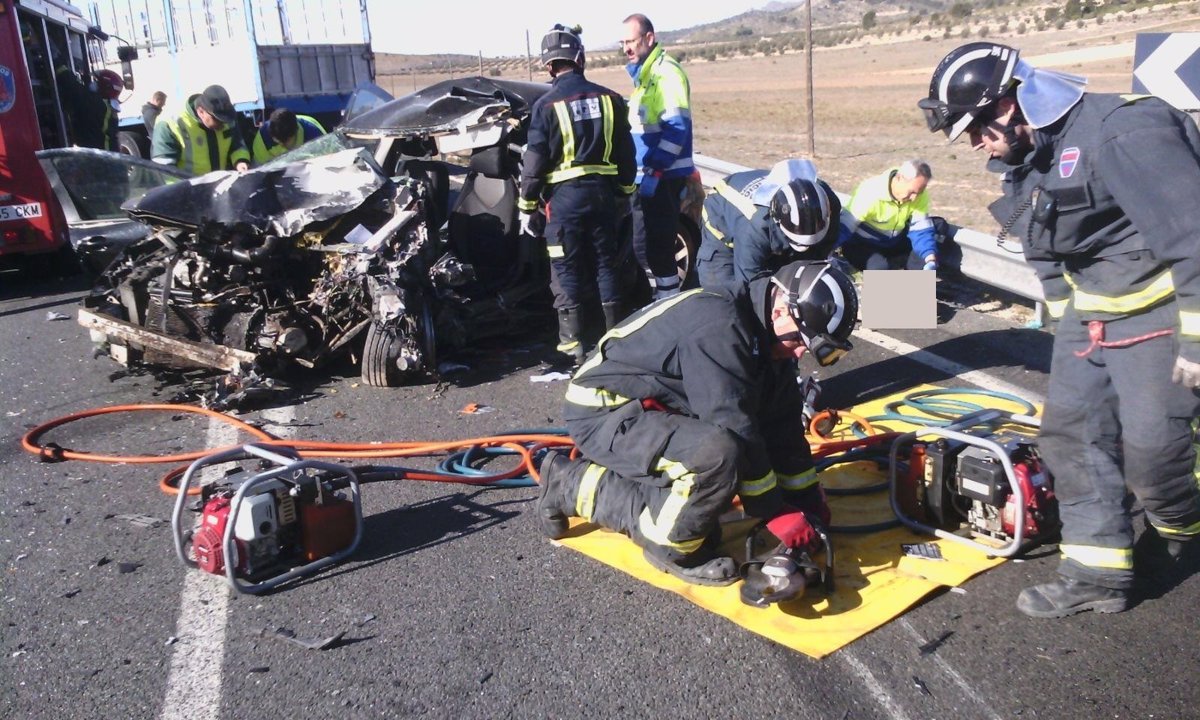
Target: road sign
[(1168, 65)]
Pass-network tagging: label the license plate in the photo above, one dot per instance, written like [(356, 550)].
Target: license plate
[(20, 212)]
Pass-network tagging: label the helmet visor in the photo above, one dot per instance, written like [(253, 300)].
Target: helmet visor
[(951, 120), (827, 349)]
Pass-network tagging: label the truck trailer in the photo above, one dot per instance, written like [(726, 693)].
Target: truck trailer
[(305, 55)]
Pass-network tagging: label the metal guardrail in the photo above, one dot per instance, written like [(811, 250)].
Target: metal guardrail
[(983, 260)]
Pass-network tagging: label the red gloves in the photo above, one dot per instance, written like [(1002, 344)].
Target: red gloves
[(793, 530)]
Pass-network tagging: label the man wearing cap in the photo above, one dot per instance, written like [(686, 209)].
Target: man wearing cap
[(1103, 193), (285, 130), (203, 137), (694, 399)]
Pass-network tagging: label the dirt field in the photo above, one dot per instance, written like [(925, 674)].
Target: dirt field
[(751, 110)]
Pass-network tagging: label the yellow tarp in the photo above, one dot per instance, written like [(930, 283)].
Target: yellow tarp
[(875, 582)]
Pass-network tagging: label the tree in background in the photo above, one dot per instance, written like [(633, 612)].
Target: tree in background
[(868, 20)]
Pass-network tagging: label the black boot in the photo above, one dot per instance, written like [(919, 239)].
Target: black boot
[(1065, 597), (703, 567), (612, 314), (553, 509), (569, 341), (1157, 558)]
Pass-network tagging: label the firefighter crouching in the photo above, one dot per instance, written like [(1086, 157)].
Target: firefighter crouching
[(1104, 192), (694, 399), (756, 221), (579, 159)]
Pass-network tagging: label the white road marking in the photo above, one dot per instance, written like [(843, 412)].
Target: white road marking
[(937, 362), (880, 693), (194, 680), (953, 674)]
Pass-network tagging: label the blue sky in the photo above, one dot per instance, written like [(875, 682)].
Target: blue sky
[(498, 28)]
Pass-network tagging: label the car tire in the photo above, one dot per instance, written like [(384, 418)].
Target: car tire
[(382, 349), (133, 144), (687, 248)]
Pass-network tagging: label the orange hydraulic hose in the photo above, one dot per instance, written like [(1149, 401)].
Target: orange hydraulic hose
[(524, 444)]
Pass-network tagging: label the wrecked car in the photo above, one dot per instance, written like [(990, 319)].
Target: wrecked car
[(391, 240)]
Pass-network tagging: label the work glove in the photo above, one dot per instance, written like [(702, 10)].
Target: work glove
[(793, 530), (649, 184), (1186, 373), (930, 263), (527, 224), (812, 501)]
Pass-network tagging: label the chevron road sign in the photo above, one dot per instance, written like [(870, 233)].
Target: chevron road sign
[(1168, 65)]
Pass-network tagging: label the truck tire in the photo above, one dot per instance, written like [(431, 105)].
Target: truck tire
[(135, 144)]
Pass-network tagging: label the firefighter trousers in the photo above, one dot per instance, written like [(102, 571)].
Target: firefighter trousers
[(581, 236), (1115, 424), (662, 479)]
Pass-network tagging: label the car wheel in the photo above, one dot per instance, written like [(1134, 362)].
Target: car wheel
[(687, 246), (394, 352), (130, 143)]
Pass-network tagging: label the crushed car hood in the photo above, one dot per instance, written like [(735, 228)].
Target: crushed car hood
[(450, 106), (279, 201)]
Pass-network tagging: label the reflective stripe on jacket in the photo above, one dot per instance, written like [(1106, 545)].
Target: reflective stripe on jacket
[(266, 149), (578, 128), (660, 115), (877, 218), (184, 141)]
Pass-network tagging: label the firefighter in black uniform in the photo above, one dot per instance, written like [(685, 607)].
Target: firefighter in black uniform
[(579, 160), (691, 400), (1104, 192), (755, 222)]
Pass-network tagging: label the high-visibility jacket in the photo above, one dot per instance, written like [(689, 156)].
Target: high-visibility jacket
[(733, 226), (876, 218), (92, 119), (1108, 208), (182, 140), (265, 147), (577, 128), (660, 115), (706, 354)]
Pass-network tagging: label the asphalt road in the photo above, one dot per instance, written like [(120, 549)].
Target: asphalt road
[(454, 605)]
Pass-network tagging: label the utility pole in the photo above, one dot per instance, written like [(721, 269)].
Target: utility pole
[(481, 63), (528, 57), (808, 95)]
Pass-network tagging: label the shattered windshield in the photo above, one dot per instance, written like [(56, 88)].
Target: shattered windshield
[(325, 145)]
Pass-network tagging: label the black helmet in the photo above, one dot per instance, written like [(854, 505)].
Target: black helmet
[(802, 210), (824, 304), (966, 82), (562, 43)]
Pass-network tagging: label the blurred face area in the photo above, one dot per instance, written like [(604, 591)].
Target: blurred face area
[(208, 120), (636, 44), (788, 344), (907, 190)]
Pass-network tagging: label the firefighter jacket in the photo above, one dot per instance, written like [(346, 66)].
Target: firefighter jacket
[(92, 119), (265, 148), (183, 141), (1107, 205), (707, 354), (876, 218), (660, 114), (577, 128), (733, 226)]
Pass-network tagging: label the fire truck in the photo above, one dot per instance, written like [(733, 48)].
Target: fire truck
[(37, 37)]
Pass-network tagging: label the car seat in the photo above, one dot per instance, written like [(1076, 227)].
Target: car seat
[(483, 228)]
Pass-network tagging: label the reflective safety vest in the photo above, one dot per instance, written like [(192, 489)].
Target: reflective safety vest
[(189, 145), (877, 218), (265, 148), (660, 115)]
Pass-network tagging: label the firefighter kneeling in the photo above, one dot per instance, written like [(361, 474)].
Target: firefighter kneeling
[(692, 400)]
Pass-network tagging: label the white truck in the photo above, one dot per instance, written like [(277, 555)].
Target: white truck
[(305, 55)]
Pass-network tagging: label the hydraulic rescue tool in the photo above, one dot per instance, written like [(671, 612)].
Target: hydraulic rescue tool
[(262, 529), (785, 573), (978, 481)]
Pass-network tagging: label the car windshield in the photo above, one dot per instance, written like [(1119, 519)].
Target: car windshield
[(99, 182), (324, 145)]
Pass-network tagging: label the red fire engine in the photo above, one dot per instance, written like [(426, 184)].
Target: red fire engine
[(36, 38)]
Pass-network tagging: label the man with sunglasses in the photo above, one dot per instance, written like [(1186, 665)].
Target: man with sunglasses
[(693, 400), (1103, 191)]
